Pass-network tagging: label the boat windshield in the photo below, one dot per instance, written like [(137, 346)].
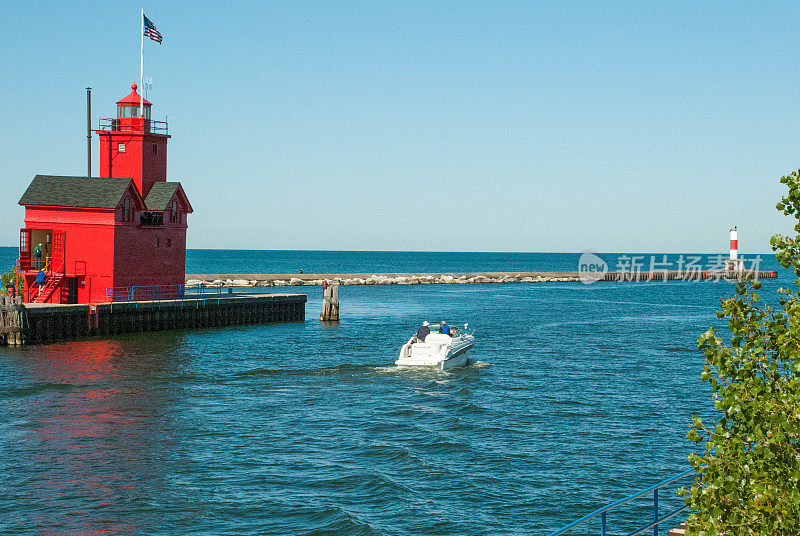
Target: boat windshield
[(454, 331), (436, 328)]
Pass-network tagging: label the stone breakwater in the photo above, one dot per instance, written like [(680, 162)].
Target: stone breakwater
[(296, 280)]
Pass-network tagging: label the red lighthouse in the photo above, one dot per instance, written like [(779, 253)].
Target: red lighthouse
[(132, 146), (84, 236)]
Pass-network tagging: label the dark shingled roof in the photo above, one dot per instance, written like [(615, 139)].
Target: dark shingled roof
[(160, 194), (94, 192)]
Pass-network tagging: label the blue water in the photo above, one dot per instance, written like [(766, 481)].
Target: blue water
[(202, 261), (576, 395), (222, 261)]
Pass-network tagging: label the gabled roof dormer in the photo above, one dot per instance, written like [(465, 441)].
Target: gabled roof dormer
[(163, 193), (129, 205)]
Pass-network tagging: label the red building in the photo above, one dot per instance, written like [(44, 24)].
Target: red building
[(126, 228)]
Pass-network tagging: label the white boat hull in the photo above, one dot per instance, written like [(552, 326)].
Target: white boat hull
[(458, 360), (438, 351)]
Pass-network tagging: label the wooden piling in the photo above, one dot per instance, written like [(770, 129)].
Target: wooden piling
[(12, 320), (330, 303), (3, 320)]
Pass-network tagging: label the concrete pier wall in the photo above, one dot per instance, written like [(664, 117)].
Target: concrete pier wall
[(43, 323)]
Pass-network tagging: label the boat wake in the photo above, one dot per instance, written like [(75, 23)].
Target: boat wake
[(354, 369), (428, 371), (347, 369)]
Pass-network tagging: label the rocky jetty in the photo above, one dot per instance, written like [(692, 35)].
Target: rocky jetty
[(296, 280)]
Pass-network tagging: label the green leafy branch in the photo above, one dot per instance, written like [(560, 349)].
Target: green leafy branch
[(749, 470)]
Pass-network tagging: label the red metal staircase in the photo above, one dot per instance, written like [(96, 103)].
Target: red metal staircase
[(51, 284), (55, 275)]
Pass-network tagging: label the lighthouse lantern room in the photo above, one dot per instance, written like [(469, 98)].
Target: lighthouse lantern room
[(125, 228)]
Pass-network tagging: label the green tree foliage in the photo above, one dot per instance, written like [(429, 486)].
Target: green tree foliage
[(7, 278), (749, 471)]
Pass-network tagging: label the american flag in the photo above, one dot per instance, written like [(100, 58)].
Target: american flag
[(150, 30)]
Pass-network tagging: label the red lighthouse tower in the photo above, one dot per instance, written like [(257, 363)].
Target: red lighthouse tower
[(134, 146), (86, 236)]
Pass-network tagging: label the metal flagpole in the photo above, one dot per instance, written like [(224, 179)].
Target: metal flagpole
[(141, 69), (89, 132)]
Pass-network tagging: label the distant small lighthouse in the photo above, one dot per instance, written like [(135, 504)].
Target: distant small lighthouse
[(734, 262)]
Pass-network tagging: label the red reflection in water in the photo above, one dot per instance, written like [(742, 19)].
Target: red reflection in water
[(91, 447)]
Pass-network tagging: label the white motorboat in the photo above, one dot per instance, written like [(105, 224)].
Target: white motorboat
[(438, 350)]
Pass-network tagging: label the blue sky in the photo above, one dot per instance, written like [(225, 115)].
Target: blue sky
[(476, 126)]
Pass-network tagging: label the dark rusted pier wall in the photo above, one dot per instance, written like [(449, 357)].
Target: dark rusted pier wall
[(43, 323)]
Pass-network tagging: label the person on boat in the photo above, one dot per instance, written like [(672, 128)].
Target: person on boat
[(445, 329), (423, 331)]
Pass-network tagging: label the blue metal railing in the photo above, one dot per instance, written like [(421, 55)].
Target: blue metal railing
[(159, 292), (143, 293), (653, 525)]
